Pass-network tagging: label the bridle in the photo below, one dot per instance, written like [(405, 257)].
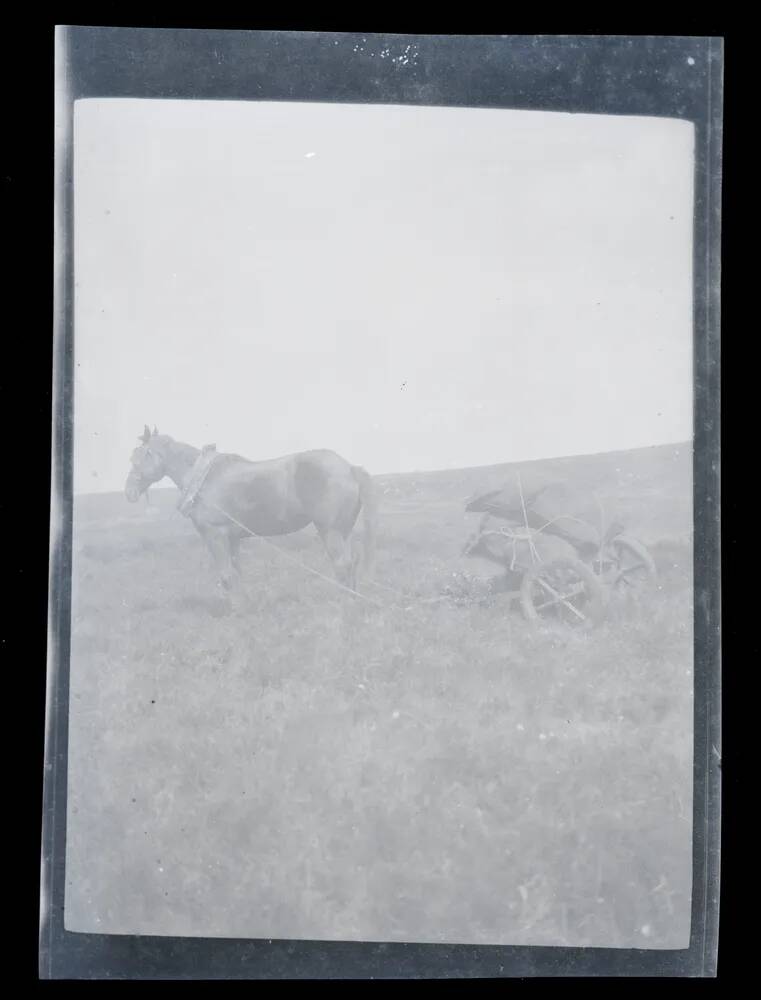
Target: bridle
[(143, 483)]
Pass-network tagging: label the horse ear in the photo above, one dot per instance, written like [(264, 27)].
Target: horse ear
[(145, 437), (155, 430)]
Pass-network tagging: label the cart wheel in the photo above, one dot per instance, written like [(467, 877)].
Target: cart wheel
[(563, 590), (634, 568)]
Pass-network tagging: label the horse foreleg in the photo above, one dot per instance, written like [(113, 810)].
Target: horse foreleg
[(219, 545), (238, 582)]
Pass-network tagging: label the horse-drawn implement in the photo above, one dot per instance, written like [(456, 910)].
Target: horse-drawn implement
[(558, 564)]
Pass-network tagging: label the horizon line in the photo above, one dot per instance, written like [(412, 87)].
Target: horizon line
[(461, 468)]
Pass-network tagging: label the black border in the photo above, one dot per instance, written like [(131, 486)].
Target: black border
[(604, 74)]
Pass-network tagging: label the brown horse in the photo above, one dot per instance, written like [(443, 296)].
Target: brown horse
[(228, 498)]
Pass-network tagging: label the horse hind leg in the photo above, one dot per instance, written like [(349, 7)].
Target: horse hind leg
[(357, 559), (351, 552), (340, 552), (235, 555)]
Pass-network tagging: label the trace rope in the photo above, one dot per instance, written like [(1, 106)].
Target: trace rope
[(198, 476), (298, 562)]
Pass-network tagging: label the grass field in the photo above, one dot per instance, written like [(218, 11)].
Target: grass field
[(319, 768)]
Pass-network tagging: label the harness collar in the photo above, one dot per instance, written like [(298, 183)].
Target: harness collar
[(197, 478)]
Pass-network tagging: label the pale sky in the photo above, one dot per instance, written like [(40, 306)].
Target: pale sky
[(415, 288)]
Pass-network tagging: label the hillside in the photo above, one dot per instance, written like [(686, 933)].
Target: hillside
[(433, 769), (650, 488)]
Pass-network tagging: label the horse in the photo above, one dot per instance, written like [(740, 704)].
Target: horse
[(228, 497)]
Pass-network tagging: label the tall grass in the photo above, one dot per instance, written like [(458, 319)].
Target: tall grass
[(321, 768)]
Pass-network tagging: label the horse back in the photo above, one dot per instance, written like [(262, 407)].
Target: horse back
[(281, 495)]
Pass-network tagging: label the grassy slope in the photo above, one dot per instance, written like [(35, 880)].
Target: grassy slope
[(324, 769)]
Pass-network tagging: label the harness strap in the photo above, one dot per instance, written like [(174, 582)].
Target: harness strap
[(298, 562), (198, 474)]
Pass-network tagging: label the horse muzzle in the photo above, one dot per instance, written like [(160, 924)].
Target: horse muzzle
[(132, 491)]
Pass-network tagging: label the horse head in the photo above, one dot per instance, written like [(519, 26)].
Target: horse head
[(148, 465)]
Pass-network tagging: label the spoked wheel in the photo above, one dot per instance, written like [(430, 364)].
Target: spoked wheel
[(633, 567), (563, 590)]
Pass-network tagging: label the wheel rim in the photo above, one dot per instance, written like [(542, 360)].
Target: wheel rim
[(634, 569), (564, 591)]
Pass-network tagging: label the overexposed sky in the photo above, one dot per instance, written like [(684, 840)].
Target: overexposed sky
[(415, 288)]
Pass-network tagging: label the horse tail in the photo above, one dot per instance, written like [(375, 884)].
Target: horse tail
[(369, 503)]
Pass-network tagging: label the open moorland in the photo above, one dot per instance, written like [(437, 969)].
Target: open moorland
[(431, 769)]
